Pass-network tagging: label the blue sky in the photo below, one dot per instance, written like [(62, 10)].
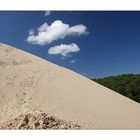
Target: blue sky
[(94, 44)]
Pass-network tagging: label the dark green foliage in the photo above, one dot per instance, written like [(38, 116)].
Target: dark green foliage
[(126, 84)]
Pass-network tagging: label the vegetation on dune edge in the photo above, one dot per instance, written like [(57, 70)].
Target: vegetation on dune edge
[(125, 84)]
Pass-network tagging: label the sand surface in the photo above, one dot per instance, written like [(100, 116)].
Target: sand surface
[(38, 120), (28, 82)]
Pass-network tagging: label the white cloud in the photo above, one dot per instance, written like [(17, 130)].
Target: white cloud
[(73, 61), (64, 49), (31, 32), (84, 74), (47, 13), (57, 30), (77, 29)]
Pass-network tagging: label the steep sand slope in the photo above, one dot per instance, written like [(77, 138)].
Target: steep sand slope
[(28, 82)]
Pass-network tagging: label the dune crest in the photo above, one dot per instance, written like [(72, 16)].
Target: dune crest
[(30, 83)]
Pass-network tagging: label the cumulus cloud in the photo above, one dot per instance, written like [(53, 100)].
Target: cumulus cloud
[(56, 30), (64, 49), (47, 13), (73, 61)]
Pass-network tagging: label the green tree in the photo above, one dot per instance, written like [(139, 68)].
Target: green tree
[(125, 84)]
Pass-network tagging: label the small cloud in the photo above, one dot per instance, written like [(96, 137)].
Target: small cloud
[(47, 13), (31, 32), (46, 34), (73, 61), (84, 74), (63, 57), (64, 49)]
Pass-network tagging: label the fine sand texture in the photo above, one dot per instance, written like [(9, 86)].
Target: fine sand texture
[(28, 82)]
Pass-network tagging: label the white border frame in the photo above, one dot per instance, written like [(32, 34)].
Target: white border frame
[(69, 5), (70, 135)]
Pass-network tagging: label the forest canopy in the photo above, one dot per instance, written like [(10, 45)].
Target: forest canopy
[(126, 84)]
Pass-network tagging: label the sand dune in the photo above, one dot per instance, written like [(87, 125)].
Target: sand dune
[(38, 120), (28, 82)]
